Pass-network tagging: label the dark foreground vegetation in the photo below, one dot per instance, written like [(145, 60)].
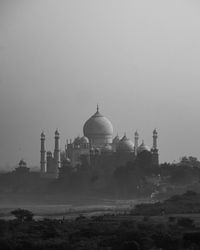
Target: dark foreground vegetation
[(147, 226), (102, 232)]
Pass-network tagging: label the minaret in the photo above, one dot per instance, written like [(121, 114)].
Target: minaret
[(57, 151), (154, 150), (155, 137), (43, 163), (136, 142)]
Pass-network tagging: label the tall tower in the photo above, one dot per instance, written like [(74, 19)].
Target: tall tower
[(43, 163), (57, 152), (136, 139), (155, 137), (154, 150)]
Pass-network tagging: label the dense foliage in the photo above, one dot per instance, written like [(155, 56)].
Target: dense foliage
[(22, 215), (113, 232)]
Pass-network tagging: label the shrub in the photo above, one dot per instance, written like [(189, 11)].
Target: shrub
[(146, 218), (131, 245), (3, 227), (190, 193), (80, 217), (22, 214), (185, 222), (172, 219)]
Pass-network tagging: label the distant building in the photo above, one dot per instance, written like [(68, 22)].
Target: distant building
[(22, 168), (97, 148)]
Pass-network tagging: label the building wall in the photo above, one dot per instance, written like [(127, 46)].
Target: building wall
[(99, 141)]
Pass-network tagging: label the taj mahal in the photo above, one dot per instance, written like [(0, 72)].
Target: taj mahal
[(97, 148)]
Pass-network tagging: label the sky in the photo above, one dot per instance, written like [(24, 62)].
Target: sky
[(138, 59)]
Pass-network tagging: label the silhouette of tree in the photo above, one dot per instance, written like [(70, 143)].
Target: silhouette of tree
[(190, 161), (144, 159), (22, 214)]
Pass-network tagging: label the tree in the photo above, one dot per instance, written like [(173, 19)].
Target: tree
[(22, 214), (190, 161), (144, 162)]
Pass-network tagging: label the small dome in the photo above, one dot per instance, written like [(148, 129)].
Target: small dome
[(107, 149), (66, 160), (97, 150), (125, 145), (77, 140), (22, 163), (91, 150), (116, 139), (84, 140), (143, 147)]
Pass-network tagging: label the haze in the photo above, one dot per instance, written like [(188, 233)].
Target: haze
[(138, 59)]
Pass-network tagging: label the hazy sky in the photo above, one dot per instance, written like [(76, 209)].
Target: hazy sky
[(139, 59)]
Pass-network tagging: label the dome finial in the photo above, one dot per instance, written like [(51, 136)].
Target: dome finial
[(56, 132), (97, 107), (43, 134), (124, 137), (155, 131)]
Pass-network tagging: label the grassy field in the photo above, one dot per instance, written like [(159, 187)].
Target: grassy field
[(59, 206)]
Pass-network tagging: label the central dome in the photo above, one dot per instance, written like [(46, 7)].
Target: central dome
[(98, 129)]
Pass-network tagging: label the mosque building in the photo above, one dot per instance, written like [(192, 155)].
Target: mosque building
[(97, 147)]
